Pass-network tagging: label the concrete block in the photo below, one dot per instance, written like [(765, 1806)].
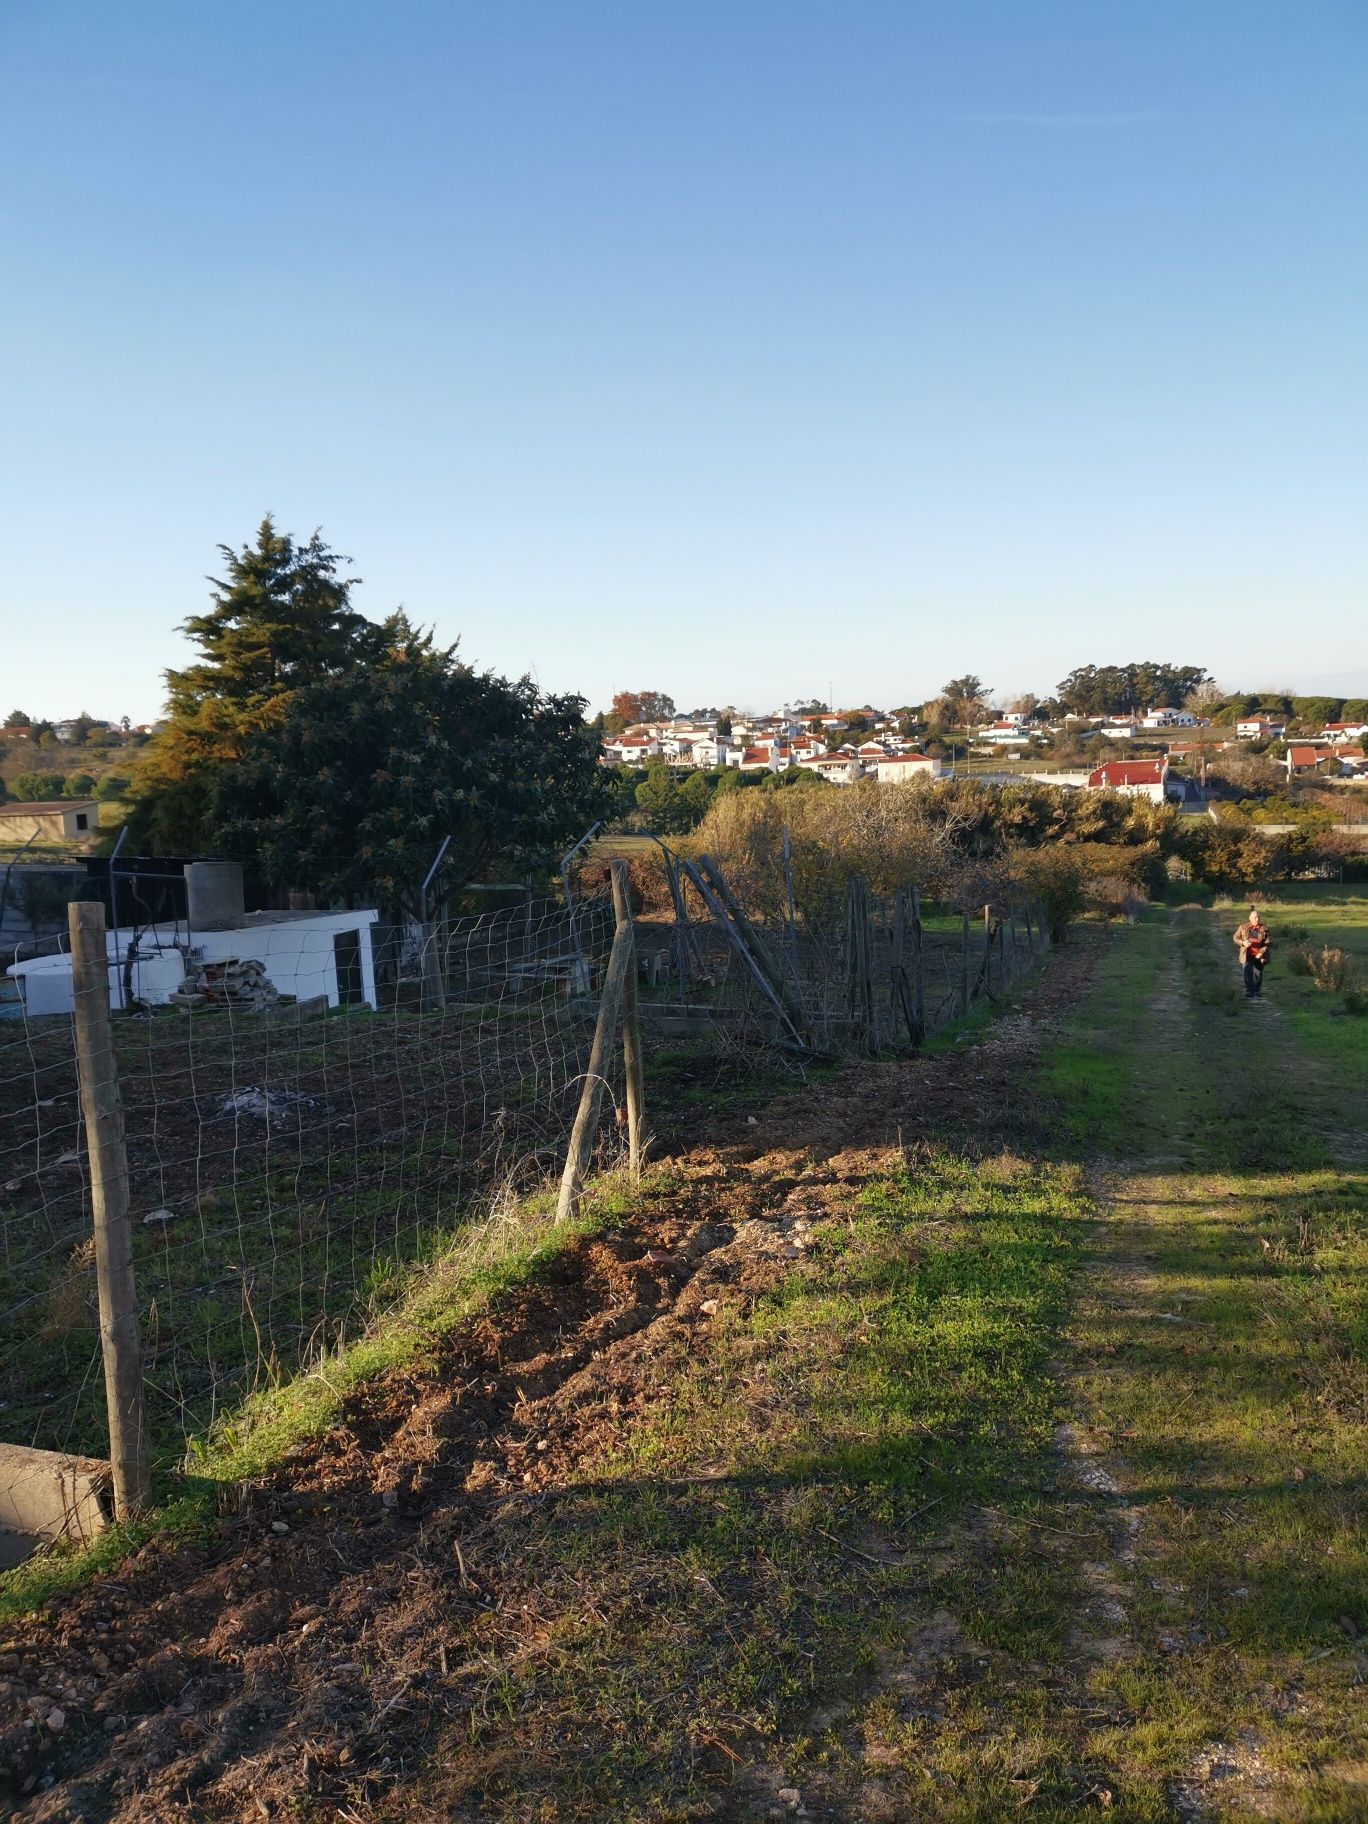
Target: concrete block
[(48, 1494)]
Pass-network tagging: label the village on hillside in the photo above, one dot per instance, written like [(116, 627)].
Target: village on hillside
[(1012, 744)]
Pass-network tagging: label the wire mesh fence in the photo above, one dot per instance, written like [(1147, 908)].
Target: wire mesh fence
[(861, 974), (311, 1107)]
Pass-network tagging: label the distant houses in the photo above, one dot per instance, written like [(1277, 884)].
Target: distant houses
[(885, 749)]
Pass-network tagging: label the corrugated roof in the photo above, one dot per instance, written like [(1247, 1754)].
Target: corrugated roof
[(44, 807)]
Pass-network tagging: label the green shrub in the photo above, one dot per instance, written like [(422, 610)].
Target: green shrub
[(33, 788)]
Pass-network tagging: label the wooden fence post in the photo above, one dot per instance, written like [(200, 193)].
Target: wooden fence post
[(919, 971), (586, 1116), (964, 965), (631, 1023), (102, 1112), (988, 950)]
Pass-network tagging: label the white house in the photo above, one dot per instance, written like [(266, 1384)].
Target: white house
[(1003, 733), (1261, 728), (631, 750), (840, 769), (1133, 778), (1168, 718), (768, 759), (1340, 732), (702, 751), (907, 769), (304, 954)]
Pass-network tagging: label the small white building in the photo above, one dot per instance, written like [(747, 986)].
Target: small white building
[(631, 750), (1261, 728), (1132, 778), (838, 768), (302, 954), (49, 820), (907, 769)]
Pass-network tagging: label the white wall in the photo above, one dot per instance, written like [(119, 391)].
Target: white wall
[(297, 953)]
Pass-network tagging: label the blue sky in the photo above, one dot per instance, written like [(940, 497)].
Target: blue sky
[(736, 350)]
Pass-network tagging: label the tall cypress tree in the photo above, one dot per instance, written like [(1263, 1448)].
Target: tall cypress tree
[(280, 620)]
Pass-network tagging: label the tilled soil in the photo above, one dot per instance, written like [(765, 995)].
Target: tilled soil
[(301, 1659)]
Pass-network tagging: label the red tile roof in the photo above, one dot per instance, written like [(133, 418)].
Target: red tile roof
[(1117, 773), (1306, 756)]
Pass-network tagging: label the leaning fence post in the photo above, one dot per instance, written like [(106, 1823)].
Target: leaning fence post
[(102, 1112), (587, 1114), (631, 1023)]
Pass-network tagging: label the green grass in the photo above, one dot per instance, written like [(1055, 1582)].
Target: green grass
[(773, 1537), (1337, 917), (1090, 1070), (1220, 1349)]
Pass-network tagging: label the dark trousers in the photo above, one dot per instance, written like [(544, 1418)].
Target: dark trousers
[(1253, 973)]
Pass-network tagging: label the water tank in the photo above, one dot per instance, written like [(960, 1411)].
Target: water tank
[(213, 893)]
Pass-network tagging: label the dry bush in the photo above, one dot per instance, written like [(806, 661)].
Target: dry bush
[(1329, 969), (888, 836)]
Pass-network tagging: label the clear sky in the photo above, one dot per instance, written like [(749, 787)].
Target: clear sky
[(735, 348)]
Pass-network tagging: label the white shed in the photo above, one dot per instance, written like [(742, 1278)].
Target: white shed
[(303, 954)]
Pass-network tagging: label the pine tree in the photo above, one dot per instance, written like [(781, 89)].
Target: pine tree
[(280, 621)]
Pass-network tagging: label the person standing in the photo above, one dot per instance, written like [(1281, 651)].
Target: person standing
[(1254, 946)]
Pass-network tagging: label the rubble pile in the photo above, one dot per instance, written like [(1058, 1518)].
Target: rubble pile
[(233, 982)]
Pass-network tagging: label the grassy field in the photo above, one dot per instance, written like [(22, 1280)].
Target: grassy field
[(1317, 918)]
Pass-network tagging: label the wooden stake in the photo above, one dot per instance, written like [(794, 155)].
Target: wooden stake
[(757, 946), (964, 965), (631, 1023), (919, 972), (102, 1111), (586, 1116), (987, 970), (740, 934)]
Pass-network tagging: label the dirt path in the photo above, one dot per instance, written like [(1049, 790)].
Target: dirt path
[(1216, 1425)]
